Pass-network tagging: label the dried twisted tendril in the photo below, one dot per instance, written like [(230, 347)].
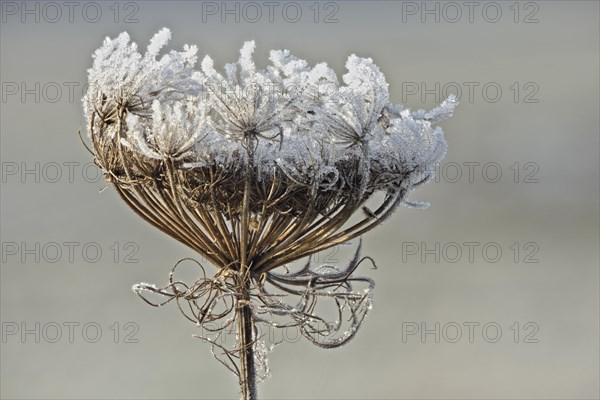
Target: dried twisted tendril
[(279, 301)]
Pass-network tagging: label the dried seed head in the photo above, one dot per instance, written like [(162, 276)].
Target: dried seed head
[(180, 143)]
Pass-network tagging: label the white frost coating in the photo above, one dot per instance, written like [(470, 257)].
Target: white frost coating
[(122, 79), (158, 41), (140, 287), (443, 111), (173, 131), (301, 121)]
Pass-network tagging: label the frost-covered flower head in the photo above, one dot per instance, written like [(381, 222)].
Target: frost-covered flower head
[(158, 125)]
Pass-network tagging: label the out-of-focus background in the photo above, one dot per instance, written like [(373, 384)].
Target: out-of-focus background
[(492, 292)]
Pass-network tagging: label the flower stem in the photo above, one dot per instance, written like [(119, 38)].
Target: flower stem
[(245, 322), (246, 346)]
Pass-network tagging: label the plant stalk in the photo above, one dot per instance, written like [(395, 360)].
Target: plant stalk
[(246, 345), (245, 322)]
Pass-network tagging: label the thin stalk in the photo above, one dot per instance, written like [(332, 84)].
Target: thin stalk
[(246, 345), (244, 312)]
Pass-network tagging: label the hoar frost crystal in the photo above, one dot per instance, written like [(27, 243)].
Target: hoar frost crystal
[(255, 169)]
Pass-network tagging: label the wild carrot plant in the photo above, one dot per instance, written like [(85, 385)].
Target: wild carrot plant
[(255, 169)]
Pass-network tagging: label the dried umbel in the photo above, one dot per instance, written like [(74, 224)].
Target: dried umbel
[(255, 169)]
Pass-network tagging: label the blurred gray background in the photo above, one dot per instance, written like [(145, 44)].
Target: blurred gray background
[(516, 317)]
